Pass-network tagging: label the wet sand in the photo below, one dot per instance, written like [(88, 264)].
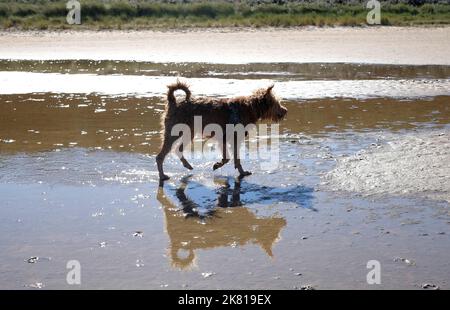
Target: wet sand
[(415, 164), (387, 45), (78, 181), (76, 184)]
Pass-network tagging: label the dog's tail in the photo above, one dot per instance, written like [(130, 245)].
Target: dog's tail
[(174, 87)]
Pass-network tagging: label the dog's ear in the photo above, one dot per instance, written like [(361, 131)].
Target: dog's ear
[(269, 89)]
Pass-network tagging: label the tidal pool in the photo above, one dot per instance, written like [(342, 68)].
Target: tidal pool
[(78, 141)]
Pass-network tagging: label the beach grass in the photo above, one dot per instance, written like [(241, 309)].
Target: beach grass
[(42, 15)]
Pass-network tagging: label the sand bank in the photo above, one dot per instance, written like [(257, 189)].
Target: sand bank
[(417, 164), (387, 45)]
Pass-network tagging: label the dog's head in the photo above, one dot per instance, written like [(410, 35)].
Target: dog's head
[(269, 105)]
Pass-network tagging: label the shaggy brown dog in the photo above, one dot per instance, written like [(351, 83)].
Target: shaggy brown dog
[(262, 105)]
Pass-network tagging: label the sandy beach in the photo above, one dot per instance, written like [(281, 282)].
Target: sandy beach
[(386, 45)]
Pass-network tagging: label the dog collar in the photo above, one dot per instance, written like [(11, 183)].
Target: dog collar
[(234, 114)]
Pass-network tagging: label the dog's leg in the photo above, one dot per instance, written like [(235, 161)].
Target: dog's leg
[(165, 149), (179, 152), (225, 156), (237, 160), (236, 196)]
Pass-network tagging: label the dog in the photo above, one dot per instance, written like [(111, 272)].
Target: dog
[(261, 105)]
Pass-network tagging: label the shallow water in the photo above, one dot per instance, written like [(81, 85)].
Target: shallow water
[(148, 86), (49, 121), (78, 181), (279, 71)]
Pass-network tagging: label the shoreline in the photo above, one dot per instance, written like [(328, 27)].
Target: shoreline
[(377, 45), (222, 28)]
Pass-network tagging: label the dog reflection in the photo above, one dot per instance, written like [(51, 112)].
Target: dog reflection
[(188, 229)]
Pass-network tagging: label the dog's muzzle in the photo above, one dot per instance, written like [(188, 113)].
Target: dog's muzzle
[(282, 113)]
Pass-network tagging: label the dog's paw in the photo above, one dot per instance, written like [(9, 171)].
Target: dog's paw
[(164, 177), (245, 173), (220, 164), (187, 165)]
